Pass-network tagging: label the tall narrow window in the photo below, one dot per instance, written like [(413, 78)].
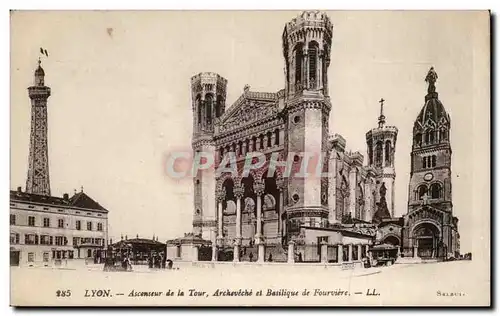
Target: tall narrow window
[(240, 148), (298, 63), (277, 137), (208, 108), (313, 64), (378, 154), (269, 142), (198, 106), (433, 161), (218, 106), (388, 153), (424, 162)]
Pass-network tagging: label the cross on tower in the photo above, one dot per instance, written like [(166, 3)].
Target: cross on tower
[(381, 118)]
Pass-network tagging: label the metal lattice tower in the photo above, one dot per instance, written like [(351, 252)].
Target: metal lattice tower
[(38, 170)]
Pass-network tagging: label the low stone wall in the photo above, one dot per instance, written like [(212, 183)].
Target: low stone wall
[(268, 265)]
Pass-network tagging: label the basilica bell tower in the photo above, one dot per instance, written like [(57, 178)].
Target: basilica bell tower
[(307, 41), (430, 175), (381, 147), (208, 92)]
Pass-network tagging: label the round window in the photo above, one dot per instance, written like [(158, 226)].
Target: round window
[(296, 119), (296, 158), (295, 197)]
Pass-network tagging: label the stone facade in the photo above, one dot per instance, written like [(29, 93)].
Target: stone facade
[(244, 210), (238, 211)]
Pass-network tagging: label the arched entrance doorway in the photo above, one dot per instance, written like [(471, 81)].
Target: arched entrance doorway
[(392, 240), (426, 238)]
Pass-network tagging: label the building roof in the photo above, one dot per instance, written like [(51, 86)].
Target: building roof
[(189, 238), (137, 241), (78, 200)]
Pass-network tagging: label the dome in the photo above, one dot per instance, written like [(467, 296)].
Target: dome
[(433, 112)]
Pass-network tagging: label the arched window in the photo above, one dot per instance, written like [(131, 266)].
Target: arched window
[(298, 63), (435, 191), (424, 162), (313, 64), (378, 154), (324, 76), (442, 134), (430, 136), (370, 152), (261, 141), (247, 147), (277, 137), (418, 139), (388, 153), (421, 191), (342, 199), (233, 148), (360, 207), (269, 143), (198, 107), (433, 161), (208, 107), (240, 148), (254, 143), (218, 107)]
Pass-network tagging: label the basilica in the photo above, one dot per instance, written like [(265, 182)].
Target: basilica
[(338, 218)]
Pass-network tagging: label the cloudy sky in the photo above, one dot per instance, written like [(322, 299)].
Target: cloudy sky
[(121, 96)]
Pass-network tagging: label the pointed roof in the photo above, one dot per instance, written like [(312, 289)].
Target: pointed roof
[(433, 111), (84, 201)]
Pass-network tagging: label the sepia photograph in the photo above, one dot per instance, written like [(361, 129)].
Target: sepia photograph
[(250, 158)]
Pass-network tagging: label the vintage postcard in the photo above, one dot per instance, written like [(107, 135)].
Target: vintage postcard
[(250, 158)]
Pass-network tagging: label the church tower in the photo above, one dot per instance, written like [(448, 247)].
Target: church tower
[(430, 176), (430, 227), (38, 162), (307, 42), (208, 104), (381, 147)]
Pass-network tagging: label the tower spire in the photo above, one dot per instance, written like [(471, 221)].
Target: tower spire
[(381, 118)]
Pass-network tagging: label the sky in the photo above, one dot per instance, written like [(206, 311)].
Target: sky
[(121, 96)]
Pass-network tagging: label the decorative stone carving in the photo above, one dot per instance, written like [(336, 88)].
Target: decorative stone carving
[(258, 188), (238, 191), (221, 194)]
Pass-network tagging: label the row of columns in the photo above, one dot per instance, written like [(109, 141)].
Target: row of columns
[(291, 252), (248, 144), (238, 190)]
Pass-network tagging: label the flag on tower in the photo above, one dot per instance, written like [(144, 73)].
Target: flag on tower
[(44, 52)]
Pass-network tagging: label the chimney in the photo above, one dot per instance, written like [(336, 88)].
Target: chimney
[(19, 190), (65, 197)]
